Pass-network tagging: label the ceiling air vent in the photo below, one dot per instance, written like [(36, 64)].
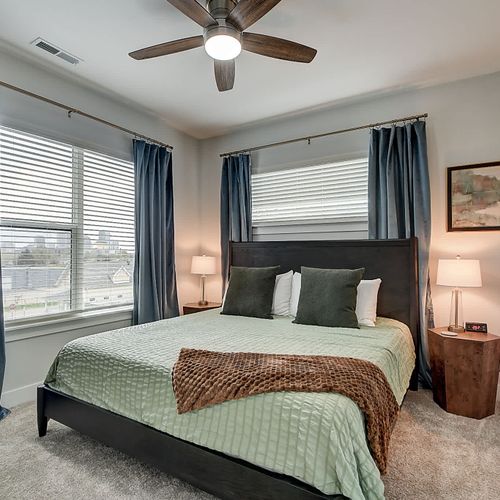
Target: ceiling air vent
[(66, 57), (55, 51)]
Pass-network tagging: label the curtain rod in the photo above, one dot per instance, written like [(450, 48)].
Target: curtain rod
[(309, 138), (82, 113)]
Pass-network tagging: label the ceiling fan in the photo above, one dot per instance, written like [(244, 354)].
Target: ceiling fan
[(224, 36)]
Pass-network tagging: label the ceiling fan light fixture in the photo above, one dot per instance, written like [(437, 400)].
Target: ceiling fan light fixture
[(223, 43), (225, 23)]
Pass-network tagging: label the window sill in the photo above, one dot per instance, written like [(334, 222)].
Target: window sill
[(78, 321)]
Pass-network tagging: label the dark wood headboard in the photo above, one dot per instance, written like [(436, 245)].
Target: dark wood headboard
[(394, 261)]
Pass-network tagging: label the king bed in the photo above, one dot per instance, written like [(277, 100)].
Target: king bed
[(117, 386)]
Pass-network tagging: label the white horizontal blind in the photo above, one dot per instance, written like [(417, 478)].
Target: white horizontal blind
[(108, 231), (319, 201), (36, 178), (66, 227)]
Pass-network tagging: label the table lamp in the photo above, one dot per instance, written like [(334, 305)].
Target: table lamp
[(458, 273), (204, 265)]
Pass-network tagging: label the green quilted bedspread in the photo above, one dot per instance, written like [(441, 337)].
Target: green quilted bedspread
[(318, 438)]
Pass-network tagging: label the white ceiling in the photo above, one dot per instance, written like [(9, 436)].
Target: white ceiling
[(364, 47)]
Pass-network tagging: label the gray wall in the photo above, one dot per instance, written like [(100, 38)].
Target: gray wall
[(28, 359), (463, 127)]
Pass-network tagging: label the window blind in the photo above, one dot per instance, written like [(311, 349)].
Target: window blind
[(108, 231), (330, 199), (36, 178), (66, 227)]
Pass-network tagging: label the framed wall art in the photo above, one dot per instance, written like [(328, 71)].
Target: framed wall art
[(474, 197)]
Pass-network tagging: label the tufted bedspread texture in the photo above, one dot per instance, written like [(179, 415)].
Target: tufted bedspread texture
[(316, 437)]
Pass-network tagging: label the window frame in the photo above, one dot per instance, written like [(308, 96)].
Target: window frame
[(88, 321), (17, 329)]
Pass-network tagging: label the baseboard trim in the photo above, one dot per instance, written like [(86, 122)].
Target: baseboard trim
[(20, 395)]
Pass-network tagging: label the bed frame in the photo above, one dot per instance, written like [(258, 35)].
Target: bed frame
[(395, 261)]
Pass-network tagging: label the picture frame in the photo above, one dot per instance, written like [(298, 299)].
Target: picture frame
[(474, 197)]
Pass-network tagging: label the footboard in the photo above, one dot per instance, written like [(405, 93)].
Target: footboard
[(223, 476)]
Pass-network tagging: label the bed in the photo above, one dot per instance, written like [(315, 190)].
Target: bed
[(116, 387)]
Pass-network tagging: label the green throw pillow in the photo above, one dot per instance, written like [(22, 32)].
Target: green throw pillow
[(250, 292), (328, 297)]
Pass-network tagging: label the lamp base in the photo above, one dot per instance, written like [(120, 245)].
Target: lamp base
[(456, 329), (202, 301), (456, 323)]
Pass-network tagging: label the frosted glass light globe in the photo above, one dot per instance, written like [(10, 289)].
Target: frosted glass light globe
[(223, 47)]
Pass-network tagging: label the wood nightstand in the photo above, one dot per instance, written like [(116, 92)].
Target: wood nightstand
[(194, 307), (465, 372)]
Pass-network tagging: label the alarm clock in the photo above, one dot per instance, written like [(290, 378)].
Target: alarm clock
[(476, 327)]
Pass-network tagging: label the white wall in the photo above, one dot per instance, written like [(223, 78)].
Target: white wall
[(29, 359), (463, 127)]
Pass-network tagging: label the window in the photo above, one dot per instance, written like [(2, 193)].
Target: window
[(316, 202), (66, 227)]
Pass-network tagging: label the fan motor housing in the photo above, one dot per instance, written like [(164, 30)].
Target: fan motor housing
[(220, 9), (222, 28)]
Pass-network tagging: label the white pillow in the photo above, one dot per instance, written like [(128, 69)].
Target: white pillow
[(282, 293), (294, 299), (366, 302)]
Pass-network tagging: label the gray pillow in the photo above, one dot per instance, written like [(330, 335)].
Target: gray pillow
[(328, 297), (250, 292)]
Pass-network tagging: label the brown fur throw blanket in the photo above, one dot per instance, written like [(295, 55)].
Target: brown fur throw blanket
[(205, 378)]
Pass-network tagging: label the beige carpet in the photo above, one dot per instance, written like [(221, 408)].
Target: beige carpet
[(434, 455)]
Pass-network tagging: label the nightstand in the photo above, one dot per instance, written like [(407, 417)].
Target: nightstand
[(194, 307), (465, 372)]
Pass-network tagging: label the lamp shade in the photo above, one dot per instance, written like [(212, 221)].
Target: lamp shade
[(203, 264), (459, 273)]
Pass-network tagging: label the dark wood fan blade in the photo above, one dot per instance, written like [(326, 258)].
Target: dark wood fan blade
[(224, 74), (248, 12), (193, 10), (278, 48), (164, 49)]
